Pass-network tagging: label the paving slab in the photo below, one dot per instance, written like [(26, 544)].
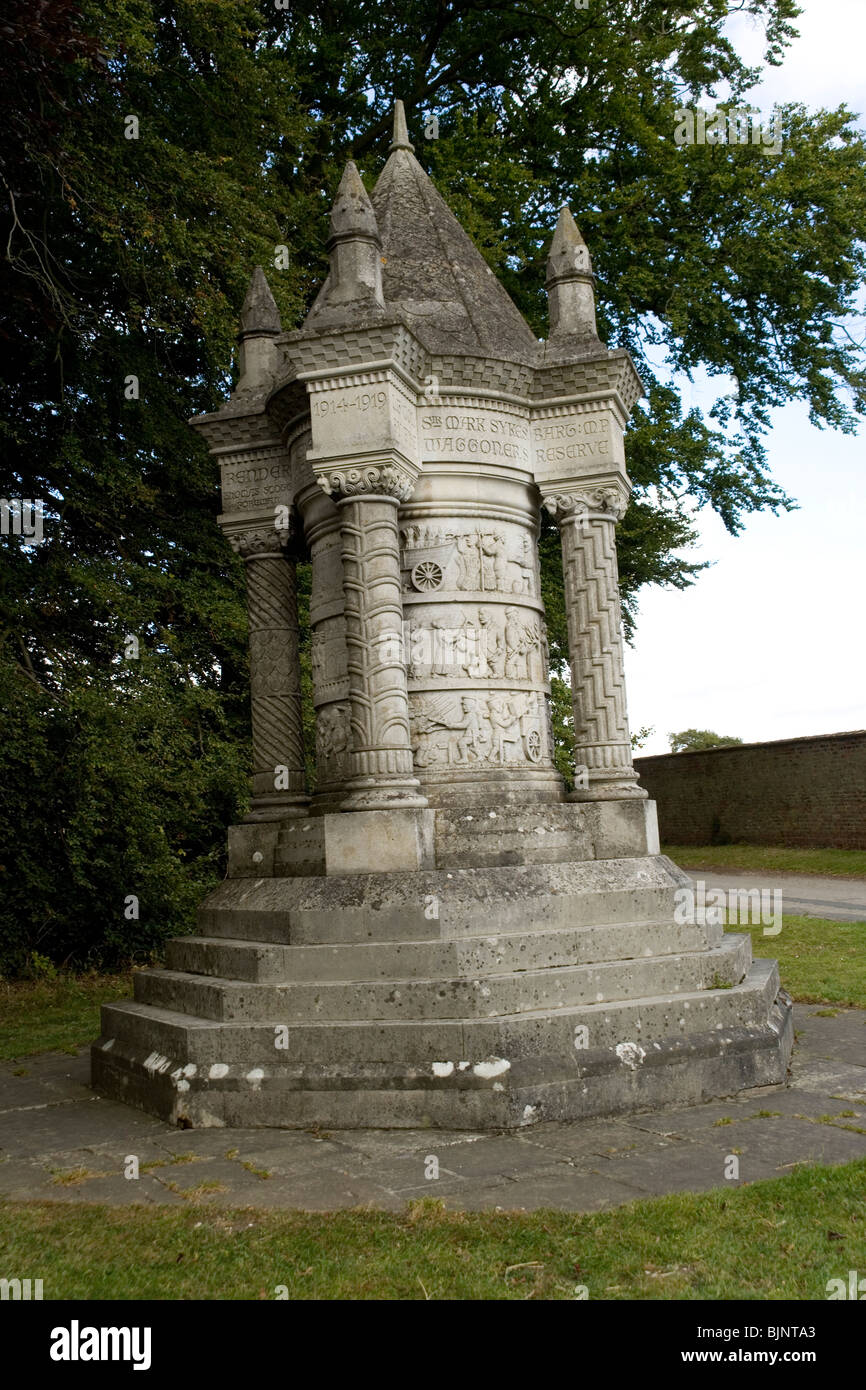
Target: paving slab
[(830, 1078), (51, 1125), (323, 1188), (114, 1192), (564, 1188), (69, 1125), (841, 1037), (688, 1167), (589, 1139), (784, 1139), (693, 1119)]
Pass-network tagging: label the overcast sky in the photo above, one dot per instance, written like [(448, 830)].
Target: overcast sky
[(769, 642)]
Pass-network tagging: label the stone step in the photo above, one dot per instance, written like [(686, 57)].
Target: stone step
[(437, 904), (470, 1095), (438, 998), (182, 1038), (270, 963)]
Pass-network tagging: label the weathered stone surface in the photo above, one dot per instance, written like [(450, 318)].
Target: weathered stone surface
[(446, 939)]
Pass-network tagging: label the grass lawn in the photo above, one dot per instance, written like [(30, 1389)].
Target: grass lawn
[(840, 863), (57, 1015), (820, 962), (783, 1238)]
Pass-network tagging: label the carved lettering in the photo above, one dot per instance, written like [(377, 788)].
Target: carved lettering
[(560, 453)]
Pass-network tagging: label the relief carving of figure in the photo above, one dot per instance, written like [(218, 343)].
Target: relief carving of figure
[(472, 734), (425, 723), (494, 563), (492, 644), (317, 657), (446, 635), (524, 561), (468, 562), (333, 735), (521, 641), (439, 732), (497, 729), (505, 719)]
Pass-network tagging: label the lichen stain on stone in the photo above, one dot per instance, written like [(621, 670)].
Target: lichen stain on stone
[(156, 1062), (494, 1066), (630, 1054)]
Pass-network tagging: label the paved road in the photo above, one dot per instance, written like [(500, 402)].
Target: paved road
[(59, 1142), (803, 895)]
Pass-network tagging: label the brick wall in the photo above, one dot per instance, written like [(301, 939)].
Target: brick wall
[(794, 791)]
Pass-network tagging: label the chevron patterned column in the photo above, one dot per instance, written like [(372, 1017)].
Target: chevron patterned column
[(602, 745), (278, 778), (381, 767)]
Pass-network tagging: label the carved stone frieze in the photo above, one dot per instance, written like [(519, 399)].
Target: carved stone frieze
[(478, 641), (467, 731), (470, 560)]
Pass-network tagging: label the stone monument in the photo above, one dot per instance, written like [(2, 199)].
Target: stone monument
[(439, 935)]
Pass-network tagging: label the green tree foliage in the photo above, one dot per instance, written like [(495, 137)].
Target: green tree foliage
[(129, 258), (693, 740)]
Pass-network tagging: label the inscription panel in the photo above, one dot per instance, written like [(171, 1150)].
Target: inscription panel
[(574, 444), (350, 419), (450, 433), (249, 486)]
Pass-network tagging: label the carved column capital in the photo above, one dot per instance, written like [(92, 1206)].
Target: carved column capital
[(263, 541), (606, 502), (385, 478)]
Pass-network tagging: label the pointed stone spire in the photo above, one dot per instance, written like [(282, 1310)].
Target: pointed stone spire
[(354, 245), (400, 140), (352, 214), (570, 281), (260, 313), (258, 355)]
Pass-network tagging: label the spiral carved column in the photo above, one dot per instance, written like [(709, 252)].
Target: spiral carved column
[(278, 778), (380, 768), (602, 744)]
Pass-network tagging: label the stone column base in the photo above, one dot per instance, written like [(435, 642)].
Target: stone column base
[(378, 797), (608, 791), (277, 807)]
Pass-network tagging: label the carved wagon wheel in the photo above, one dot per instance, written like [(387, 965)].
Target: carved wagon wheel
[(533, 746), (427, 575)]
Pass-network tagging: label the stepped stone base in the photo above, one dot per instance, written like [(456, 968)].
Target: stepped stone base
[(515, 975)]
